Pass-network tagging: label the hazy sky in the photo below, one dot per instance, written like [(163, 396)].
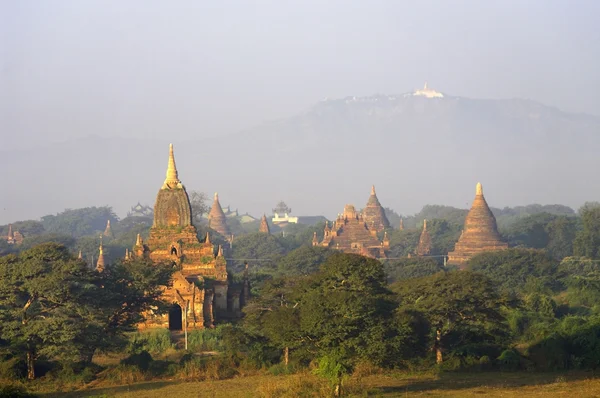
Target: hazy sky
[(188, 69)]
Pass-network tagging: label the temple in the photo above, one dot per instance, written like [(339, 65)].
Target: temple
[(217, 219), (200, 291), (373, 213), (264, 225), (424, 247), (351, 234), (108, 231), (281, 215), (101, 263), (480, 233), (12, 238), (427, 92)]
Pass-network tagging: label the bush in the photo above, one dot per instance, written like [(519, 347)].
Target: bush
[(450, 364), (141, 360), (509, 360), (205, 339), (154, 341), (14, 391), (124, 374), (13, 369), (282, 369)]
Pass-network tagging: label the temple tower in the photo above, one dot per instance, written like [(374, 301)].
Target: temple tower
[(264, 225), (373, 213), (108, 231), (424, 247), (100, 264), (217, 219), (480, 233)]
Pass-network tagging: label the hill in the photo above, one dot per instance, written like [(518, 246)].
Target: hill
[(415, 149)]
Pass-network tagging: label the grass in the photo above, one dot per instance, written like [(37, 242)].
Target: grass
[(391, 384)]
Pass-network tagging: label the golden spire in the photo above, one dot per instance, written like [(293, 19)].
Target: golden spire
[(479, 189), (401, 224), (424, 225), (126, 254), (220, 253), (138, 240), (100, 263), (372, 189), (172, 180), (207, 241), (80, 256), (216, 196)]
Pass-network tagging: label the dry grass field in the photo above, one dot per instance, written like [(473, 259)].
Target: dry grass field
[(396, 384)]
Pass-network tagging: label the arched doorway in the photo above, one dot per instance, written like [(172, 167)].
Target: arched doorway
[(173, 250), (175, 317)]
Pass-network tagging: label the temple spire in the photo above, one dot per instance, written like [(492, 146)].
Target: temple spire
[(80, 257), (401, 224), (138, 240), (10, 232), (172, 179), (100, 264), (372, 189), (424, 225), (108, 230), (478, 189), (264, 225)]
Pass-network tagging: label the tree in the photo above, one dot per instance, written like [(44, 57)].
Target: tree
[(514, 270), (413, 267), (198, 203), (450, 302), (79, 222), (345, 309), (587, 241), (53, 306), (264, 249), (303, 260)]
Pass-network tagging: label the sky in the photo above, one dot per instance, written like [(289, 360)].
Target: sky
[(192, 69), (175, 71)]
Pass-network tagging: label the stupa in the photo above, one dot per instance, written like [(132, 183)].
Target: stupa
[(424, 247), (217, 219), (373, 213), (264, 225), (480, 233)]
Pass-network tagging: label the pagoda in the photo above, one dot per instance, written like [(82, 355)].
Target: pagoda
[(373, 213), (424, 247), (351, 234), (264, 225), (217, 219), (101, 263), (480, 233), (108, 231), (199, 286)]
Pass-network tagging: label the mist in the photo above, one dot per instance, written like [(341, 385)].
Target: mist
[(92, 92)]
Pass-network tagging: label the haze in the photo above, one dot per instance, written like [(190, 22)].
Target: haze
[(188, 70)]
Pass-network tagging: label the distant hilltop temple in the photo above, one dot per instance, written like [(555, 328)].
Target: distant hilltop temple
[(200, 290), (374, 214), (480, 233), (350, 233), (12, 238), (281, 215), (427, 92)]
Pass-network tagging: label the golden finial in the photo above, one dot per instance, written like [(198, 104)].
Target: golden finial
[(478, 189), (172, 179), (216, 196), (424, 225), (207, 238), (138, 240), (80, 256), (372, 189), (126, 254)]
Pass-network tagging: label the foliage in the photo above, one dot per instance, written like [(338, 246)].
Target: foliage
[(413, 267), (456, 304), (79, 222), (304, 260), (53, 306), (513, 269), (587, 241), (257, 246), (198, 204)]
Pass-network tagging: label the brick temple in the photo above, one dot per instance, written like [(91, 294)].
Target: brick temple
[(480, 232), (374, 214), (350, 233)]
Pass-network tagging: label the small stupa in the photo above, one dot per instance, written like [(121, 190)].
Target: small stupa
[(100, 263), (424, 247), (217, 219), (480, 233), (264, 225)]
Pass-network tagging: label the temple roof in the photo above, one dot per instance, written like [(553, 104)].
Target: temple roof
[(216, 217), (374, 214), (480, 232), (424, 247), (264, 225)]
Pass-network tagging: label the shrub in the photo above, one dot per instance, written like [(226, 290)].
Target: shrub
[(154, 341), (509, 360), (14, 391), (13, 369), (282, 369), (141, 360)]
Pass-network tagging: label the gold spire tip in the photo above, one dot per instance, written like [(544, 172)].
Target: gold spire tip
[(372, 189), (478, 189)]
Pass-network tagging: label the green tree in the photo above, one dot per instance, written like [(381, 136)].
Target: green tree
[(261, 249), (587, 241), (303, 260), (413, 267), (516, 270), (450, 302), (53, 306), (79, 222)]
